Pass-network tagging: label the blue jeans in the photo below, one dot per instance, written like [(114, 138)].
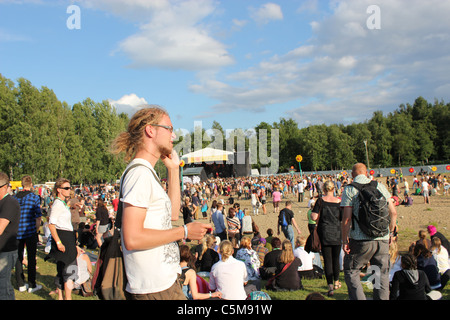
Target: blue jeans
[(289, 234), (7, 262)]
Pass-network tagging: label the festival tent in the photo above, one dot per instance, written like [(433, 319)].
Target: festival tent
[(206, 155)]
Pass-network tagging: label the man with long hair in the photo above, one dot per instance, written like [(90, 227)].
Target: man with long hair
[(151, 254)]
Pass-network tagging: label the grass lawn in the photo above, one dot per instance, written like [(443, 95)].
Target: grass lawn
[(47, 270)]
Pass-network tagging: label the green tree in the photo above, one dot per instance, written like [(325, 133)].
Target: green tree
[(382, 138), (360, 135), (289, 143), (9, 126), (402, 132), (315, 145), (340, 154)]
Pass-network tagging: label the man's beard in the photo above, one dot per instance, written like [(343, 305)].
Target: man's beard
[(165, 151)]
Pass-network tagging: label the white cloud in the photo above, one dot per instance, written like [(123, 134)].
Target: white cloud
[(128, 103), (172, 34), (347, 71), (266, 13), (239, 23)]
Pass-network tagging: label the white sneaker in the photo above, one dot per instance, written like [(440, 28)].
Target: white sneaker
[(23, 288), (38, 287)]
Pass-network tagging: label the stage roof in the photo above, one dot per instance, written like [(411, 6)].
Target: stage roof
[(206, 155)]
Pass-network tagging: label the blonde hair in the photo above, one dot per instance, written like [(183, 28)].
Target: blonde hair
[(328, 186), (226, 249), (300, 241), (207, 242), (246, 242), (131, 141), (393, 251), (436, 244), (287, 253)]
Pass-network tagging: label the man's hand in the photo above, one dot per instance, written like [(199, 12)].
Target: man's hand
[(197, 230), (171, 161), (346, 248)]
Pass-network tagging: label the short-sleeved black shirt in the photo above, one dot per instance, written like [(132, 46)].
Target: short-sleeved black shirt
[(9, 210)]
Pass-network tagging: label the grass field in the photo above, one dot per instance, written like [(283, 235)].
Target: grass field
[(47, 270)]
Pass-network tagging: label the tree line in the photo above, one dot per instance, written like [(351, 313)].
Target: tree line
[(411, 135), (46, 138)]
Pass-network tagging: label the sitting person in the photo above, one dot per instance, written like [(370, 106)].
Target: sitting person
[(306, 270), (411, 283), (86, 237), (82, 274), (269, 239), (259, 245), (440, 254), (423, 239), (252, 263), (205, 255), (426, 262), (229, 275), (286, 277), (408, 201), (269, 267), (394, 260), (188, 277)]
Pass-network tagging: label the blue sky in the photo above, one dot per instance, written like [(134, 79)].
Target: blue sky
[(236, 62)]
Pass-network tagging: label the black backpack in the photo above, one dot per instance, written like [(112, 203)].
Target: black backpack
[(283, 218), (373, 216)]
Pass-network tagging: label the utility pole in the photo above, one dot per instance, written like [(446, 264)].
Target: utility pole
[(367, 154)]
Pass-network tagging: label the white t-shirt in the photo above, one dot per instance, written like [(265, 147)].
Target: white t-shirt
[(60, 216), (228, 277), (153, 270), (442, 259), (305, 257)]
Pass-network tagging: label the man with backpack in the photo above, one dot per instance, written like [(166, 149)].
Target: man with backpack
[(368, 222), (286, 222)]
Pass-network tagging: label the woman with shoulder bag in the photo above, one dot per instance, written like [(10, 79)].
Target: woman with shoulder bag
[(64, 249)]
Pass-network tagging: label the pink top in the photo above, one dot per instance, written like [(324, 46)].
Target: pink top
[(276, 195)]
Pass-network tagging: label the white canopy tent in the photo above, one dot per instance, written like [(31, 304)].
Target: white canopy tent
[(206, 155)]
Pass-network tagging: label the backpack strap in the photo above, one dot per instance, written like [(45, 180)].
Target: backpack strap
[(359, 186), (118, 222)]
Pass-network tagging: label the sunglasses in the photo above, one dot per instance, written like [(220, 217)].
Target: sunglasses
[(170, 128), (65, 188), (5, 185)]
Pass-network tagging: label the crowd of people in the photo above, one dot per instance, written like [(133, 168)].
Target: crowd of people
[(234, 236), (219, 251), (326, 212)]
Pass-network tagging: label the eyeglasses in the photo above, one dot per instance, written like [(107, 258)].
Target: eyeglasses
[(170, 128), (65, 188), (5, 185)]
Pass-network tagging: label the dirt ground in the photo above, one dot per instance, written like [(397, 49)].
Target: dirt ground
[(410, 219)]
